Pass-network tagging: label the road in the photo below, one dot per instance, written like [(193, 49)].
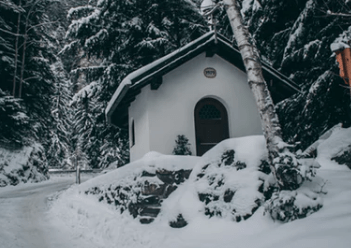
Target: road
[(24, 219)]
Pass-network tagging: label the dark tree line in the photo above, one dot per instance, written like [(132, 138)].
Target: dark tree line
[(295, 37), (110, 39), (26, 79), (60, 62)]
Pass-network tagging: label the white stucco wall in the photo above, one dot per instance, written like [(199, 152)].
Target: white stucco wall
[(139, 113), (160, 115)]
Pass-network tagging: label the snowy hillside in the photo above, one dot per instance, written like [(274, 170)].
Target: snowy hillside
[(103, 226), (22, 165)]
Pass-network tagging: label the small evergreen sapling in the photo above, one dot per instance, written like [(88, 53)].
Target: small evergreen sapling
[(182, 146)]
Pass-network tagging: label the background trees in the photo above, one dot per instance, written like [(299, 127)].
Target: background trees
[(110, 39), (34, 87), (25, 68), (107, 39), (295, 37)]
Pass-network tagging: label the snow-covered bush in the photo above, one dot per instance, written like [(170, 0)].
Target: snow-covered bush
[(141, 187), (290, 205), (14, 124), (229, 180), (182, 146), (344, 157), (27, 164), (336, 147)]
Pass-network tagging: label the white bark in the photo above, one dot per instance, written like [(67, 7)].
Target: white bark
[(286, 174)]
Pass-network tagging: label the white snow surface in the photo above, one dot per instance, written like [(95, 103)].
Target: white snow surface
[(15, 163), (207, 5), (332, 146), (15, 160), (25, 221), (74, 219), (337, 46), (150, 163), (342, 41), (102, 226), (250, 4)]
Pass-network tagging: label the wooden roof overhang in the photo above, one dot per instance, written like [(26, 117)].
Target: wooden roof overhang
[(279, 85)]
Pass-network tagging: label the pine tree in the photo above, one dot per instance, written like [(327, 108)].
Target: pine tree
[(295, 37), (182, 146), (14, 126), (28, 85), (83, 123), (25, 58), (59, 150), (111, 39)]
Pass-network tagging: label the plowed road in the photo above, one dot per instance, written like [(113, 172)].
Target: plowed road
[(24, 218)]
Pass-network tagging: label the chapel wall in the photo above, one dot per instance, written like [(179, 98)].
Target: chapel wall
[(139, 113), (171, 107)]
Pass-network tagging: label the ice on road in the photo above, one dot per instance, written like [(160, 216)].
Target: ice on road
[(24, 218)]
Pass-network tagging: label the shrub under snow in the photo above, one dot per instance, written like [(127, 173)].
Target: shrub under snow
[(140, 187), (231, 181)]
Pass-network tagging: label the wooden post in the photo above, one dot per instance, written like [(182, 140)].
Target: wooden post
[(77, 172), (78, 175), (343, 57)]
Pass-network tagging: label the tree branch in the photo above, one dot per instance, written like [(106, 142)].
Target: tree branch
[(8, 32), (338, 14)]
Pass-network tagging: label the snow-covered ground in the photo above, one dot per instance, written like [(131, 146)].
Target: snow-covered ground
[(35, 216), (22, 165), (101, 225), (25, 221)]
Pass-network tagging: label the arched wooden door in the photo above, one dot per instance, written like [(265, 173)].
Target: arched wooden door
[(211, 124)]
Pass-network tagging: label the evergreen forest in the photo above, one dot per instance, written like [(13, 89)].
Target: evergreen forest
[(61, 61)]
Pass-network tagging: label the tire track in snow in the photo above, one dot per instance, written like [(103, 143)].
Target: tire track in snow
[(24, 222)]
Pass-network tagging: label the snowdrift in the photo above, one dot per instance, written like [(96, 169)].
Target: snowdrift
[(226, 182), (22, 165), (79, 209)]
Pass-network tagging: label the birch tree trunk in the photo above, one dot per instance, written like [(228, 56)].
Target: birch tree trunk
[(283, 162)]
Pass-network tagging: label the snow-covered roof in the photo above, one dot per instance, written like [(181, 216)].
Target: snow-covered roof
[(135, 81), (337, 46)]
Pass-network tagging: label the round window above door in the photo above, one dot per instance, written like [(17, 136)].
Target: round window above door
[(211, 124)]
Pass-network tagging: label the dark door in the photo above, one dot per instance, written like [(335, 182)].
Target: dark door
[(211, 124)]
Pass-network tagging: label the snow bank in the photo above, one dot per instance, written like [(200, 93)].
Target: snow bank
[(339, 139), (150, 163), (224, 183), (103, 226), (22, 165)]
